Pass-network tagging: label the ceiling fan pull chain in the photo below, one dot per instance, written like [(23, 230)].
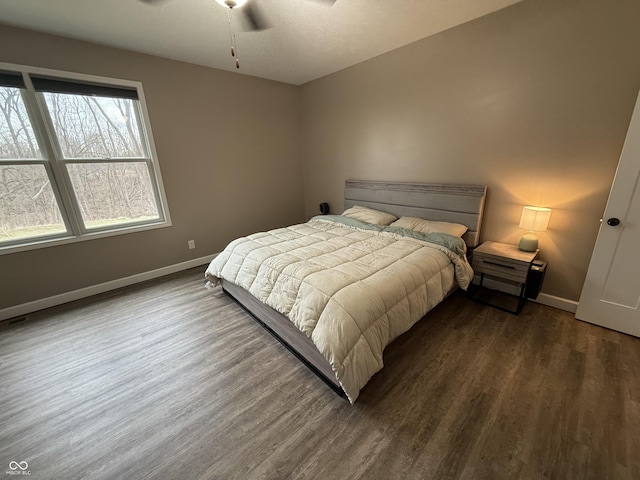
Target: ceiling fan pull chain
[(233, 50), (232, 33), (232, 37)]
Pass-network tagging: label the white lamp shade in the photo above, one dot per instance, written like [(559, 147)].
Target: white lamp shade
[(535, 219)]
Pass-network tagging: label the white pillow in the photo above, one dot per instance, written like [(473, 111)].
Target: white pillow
[(369, 215), (427, 226)]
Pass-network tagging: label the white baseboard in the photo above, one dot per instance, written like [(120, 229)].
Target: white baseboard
[(557, 302), (23, 309)]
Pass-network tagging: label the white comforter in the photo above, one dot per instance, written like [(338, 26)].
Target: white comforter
[(352, 288)]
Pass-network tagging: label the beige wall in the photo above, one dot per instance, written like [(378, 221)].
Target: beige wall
[(533, 101), (228, 150)]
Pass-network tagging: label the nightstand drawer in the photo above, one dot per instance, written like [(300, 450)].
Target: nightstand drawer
[(502, 267)]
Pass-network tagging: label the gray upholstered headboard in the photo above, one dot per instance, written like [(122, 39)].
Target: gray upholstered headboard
[(433, 201)]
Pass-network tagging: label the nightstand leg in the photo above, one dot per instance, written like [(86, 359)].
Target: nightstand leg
[(521, 298)]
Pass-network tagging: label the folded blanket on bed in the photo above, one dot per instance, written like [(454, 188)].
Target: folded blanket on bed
[(351, 287)]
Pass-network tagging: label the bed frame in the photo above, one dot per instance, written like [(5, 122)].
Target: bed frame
[(442, 202)]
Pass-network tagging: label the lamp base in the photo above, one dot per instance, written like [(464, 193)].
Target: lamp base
[(528, 243)]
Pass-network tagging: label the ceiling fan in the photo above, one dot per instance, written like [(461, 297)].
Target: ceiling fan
[(254, 19), (252, 15)]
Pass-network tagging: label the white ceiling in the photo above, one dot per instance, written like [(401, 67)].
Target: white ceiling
[(308, 39)]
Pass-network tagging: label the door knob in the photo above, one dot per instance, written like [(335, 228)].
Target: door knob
[(614, 222)]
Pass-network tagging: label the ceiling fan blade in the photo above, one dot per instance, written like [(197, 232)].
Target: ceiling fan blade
[(253, 18), (326, 2), (153, 2)]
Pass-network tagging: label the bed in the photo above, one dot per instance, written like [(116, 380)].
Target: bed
[(336, 290)]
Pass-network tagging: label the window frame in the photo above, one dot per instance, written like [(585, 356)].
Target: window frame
[(56, 165)]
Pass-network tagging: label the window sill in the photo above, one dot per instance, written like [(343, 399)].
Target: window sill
[(52, 242)]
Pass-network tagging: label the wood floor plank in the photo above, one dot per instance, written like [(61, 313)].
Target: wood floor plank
[(170, 380)]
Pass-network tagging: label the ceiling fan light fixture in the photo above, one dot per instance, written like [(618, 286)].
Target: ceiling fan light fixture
[(231, 3)]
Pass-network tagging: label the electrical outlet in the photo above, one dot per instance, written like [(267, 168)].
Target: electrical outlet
[(192, 244)]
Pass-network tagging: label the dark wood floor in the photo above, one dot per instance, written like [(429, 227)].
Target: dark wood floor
[(169, 380)]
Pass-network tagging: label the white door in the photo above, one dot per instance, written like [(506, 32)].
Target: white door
[(611, 293)]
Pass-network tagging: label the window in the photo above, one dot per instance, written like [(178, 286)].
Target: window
[(76, 159)]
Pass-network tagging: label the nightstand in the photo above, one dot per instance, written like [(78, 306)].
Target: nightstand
[(505, 263)]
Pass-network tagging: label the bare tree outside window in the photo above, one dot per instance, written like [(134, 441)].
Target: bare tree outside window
[(28, 207), (103, 128), (111, 193), (94, 127), (97, 169), (17, 139)]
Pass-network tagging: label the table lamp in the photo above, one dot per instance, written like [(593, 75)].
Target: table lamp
[(534, 219)]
